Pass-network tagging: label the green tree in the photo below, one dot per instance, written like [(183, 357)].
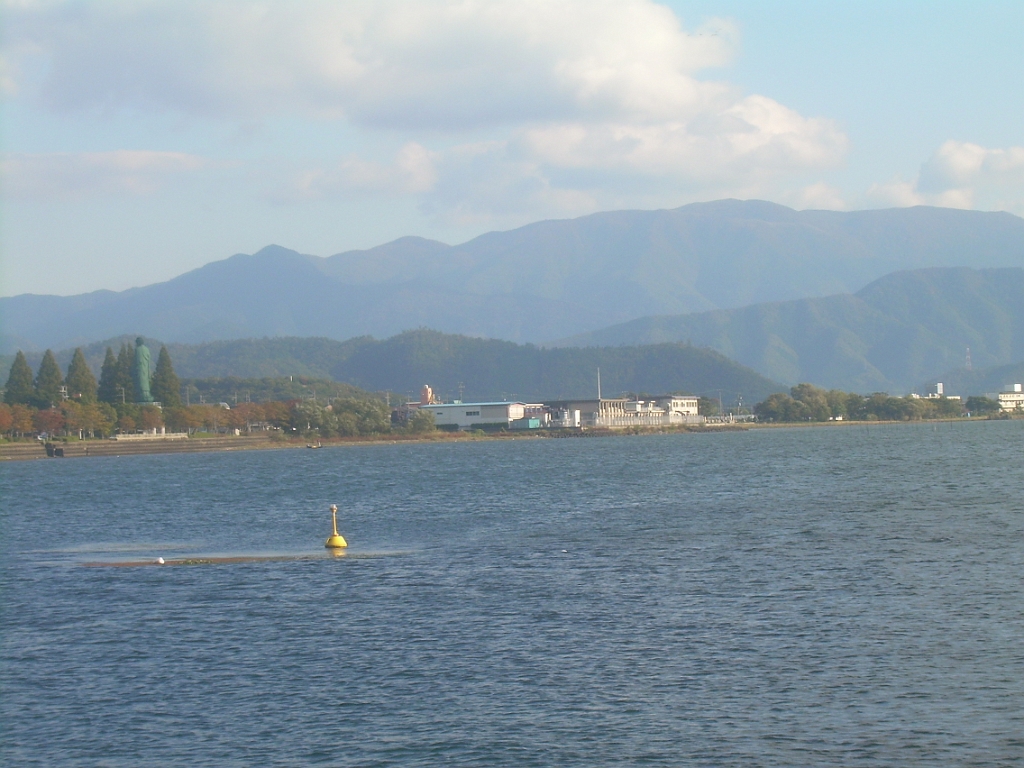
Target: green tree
[(978, 405), (838, 402), (80, 380), (48, 381), (166, 388), (19, 389), (775, 407), (814, 399), (708, 406), (150, 417), (106, 419), (107, 392), (421, 421), (124, 386)]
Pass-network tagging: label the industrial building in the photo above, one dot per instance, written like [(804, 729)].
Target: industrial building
[(483, 415), (621, 412), (609, 413)]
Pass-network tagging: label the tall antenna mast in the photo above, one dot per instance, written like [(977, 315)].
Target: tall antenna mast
[(598, 383), (967, 363)]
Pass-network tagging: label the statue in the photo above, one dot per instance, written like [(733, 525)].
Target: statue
[(141, 373)]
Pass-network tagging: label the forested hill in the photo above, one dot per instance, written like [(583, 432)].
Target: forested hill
[(487, 369), (894, 334), (540, 282)]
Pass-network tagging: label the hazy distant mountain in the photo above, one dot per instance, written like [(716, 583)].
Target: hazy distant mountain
[(486, 369), (897, 332), (978, 381), (543, 281)]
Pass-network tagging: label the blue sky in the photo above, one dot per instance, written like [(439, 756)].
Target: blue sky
[(143, 139)]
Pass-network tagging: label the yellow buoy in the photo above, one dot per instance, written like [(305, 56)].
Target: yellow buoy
[(335, 540)]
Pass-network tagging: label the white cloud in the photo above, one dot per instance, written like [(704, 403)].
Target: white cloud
[(67, 174), (755, 135), (961, 175), (405, 64), (545, 108)]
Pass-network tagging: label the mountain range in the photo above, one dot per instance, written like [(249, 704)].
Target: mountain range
[(892, 335), (544, 281)]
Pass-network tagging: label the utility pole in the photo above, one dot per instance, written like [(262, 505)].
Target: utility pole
[(599, 384)]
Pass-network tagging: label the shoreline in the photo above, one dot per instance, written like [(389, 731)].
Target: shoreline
[(32, 450), (35, 449)]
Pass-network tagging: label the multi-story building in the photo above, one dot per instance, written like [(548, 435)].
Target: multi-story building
[(1012, 398), (621, 412)]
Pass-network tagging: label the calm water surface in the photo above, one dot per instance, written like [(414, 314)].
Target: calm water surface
[(780, 597)]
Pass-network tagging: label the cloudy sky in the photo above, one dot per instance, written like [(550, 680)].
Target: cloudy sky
[(142, 139)]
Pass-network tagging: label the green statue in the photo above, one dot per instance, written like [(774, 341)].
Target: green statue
[(141, 373)]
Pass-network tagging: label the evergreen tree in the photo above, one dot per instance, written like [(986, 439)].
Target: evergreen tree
[(125, 364), (166, 388), (19, 389), (108, 380), (48, 381), (80, 380)]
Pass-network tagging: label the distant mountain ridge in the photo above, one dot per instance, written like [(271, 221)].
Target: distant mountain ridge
[(540, 282), (484, 369), (892, 335)]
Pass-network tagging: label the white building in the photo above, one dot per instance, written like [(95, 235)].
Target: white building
[(472, 415), (938, 394), (1012, 398), (620, 412)]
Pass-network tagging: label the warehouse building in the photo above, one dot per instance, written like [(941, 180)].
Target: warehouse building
[(481, 415)]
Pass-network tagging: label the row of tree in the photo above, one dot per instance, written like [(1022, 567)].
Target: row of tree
[(806, 402), (342, 418), (52, 403), (49, 387)]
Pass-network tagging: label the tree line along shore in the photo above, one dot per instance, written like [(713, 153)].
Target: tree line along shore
[(74, 405)]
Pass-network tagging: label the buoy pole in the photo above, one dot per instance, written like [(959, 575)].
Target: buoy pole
[(335, 540)]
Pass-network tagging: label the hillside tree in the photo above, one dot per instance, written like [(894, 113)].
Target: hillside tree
[(19, 389), (166, 388), (80, 380), (48, 381), (124, 385), (107, 391)]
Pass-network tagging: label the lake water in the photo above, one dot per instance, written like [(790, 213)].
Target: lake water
[(847, 596)]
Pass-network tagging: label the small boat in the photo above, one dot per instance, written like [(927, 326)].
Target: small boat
[(318, 445)]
